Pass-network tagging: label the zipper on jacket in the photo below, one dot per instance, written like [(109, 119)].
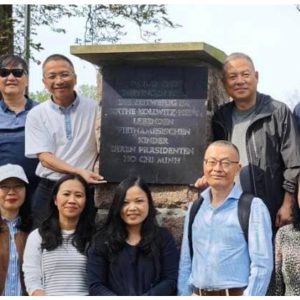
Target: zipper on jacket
[(251, 159)]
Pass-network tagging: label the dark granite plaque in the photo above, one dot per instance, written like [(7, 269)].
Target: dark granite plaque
[(153, 123)]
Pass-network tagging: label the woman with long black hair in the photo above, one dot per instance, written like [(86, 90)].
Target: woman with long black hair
[(55, 254), (132, 255)]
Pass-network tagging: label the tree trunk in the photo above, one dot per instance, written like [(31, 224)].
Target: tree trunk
[(6, 30)]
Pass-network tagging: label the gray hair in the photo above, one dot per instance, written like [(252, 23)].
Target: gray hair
[(237, 55)]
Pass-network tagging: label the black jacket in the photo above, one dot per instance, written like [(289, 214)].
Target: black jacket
[(132, 273), (273, 148)]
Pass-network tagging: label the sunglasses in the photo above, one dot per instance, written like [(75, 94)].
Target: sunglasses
[(16, 72)]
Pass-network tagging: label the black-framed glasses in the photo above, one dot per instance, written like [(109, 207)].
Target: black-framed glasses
[(225, 163), (16, 188), (16, 72), (62, 76)]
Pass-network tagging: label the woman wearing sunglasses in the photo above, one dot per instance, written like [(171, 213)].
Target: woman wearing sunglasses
[(14, 106), (132, 255)]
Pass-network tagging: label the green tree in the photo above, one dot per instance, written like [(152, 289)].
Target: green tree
[(87, 90), (39, 96), (6, 29), (103, 23)]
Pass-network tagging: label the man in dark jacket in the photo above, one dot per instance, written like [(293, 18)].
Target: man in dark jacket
[(265, 133)]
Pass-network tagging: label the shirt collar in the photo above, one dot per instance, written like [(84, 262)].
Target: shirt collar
[(73, 105), (3, 105), (13, 222), (234, 194), (28, 105)]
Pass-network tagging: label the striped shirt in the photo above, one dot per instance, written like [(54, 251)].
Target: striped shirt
[(12, 282), (60, 272)]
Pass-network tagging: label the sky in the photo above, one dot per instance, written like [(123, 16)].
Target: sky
[(269, 33)]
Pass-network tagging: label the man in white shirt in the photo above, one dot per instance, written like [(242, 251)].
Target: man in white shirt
[(61, 133)]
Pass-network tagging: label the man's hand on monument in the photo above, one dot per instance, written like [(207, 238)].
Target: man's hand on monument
[(201, 183), (284, 214), (91, 177)]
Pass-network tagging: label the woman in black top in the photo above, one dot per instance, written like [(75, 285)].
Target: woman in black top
[(131, 255)]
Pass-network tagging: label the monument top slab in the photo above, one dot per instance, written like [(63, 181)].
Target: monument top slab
[(158, 53)]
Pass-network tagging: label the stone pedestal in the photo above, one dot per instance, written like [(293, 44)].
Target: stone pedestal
[(157, 102)]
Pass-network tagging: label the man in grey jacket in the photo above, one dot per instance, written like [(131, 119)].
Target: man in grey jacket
[(265, 133)]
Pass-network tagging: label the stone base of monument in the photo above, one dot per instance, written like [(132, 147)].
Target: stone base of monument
[(156, 101)]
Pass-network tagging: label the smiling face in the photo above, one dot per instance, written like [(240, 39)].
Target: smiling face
[(70, 199), (11, 86), (136, 207), (240, 81), (12, 196), (60, 80)]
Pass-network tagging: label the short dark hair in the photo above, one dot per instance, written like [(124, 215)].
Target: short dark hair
[(225, 143), (13, 60), (50, 230), (57, 57)]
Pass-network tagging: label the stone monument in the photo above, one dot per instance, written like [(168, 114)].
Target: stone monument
[(157, 101)]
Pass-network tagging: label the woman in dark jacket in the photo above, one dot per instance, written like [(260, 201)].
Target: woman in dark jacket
[(131, 255)]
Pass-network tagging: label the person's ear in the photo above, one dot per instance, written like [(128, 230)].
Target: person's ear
[(238, 168)]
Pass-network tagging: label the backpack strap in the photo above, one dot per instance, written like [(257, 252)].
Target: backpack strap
[(193, 211), (244, 209)]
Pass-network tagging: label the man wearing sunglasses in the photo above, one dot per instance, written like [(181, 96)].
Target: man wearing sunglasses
[(61, 133), (14, 107)]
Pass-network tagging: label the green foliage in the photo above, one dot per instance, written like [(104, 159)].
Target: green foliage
[(39, 96), (6, 29), (103, 23), (87, 90)]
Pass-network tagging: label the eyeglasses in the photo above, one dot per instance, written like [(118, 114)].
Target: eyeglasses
[(17, 188), (62, 76), (16, 72), (225, 163)]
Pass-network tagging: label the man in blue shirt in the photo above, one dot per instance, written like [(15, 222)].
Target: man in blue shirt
[(14, 107), (223, 262)]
